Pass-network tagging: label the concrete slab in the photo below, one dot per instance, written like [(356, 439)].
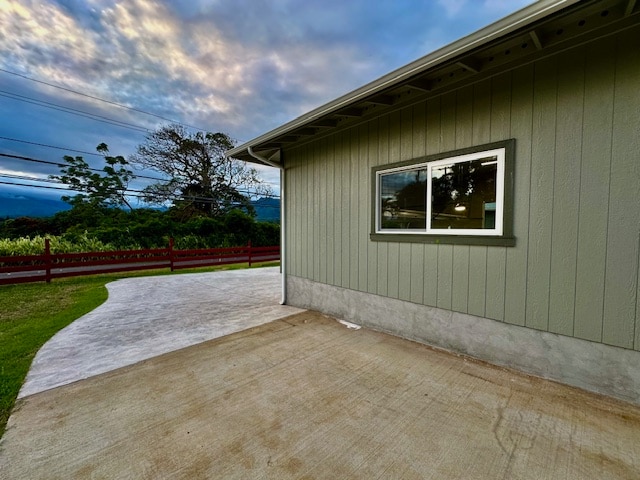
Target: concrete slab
[(307, 397), (605, 369), (148, 316)]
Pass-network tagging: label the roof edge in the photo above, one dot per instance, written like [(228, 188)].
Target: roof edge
[(519, 19)]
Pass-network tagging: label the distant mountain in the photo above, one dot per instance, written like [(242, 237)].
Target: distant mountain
[(267, 209), (33, 204), (13, 205)]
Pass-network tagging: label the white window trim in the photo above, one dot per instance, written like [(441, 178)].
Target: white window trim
[(499, 153)]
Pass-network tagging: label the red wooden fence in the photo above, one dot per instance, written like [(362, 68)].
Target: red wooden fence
[(37, 268)]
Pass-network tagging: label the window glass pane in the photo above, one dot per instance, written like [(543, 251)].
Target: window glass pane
[(403, 199), (464, 194)]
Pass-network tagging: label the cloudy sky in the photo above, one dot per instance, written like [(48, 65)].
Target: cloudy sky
[(68, 68)]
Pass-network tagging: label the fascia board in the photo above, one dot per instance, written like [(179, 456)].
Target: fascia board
[(518, 20)]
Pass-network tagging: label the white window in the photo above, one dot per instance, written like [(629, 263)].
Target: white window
[(458, 195)]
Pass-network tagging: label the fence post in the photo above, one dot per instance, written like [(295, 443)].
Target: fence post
[(249, 253), (171, 253), (47, 260)]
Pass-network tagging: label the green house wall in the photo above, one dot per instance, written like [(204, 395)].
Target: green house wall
[(574, 270)]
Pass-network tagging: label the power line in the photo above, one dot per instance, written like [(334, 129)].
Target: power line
[(55, 106), (101, 99), (70, 149), (49, 187), (31, 179), (79, 151), (127, 193), (58, 164), (29, 159), (68, 188), (51, 146), (73, 111), (169, 196), (33, 186), (54, 180)]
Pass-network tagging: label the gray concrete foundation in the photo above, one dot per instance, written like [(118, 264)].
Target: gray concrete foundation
[(592, 366)]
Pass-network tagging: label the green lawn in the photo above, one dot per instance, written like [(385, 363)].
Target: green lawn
[(30, 314)]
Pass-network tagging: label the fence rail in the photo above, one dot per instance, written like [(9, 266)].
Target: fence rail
[(44, 267)]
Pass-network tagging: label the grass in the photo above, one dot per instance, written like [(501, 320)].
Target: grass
[(30, 314)]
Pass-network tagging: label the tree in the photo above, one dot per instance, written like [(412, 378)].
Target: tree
[(200, 177), (103, 189)]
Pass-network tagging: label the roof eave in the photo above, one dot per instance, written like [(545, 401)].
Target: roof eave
[(518, 20)]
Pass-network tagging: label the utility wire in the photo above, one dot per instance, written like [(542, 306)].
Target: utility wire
[(127, 193), (54, 180), (29, 159), (31, 179), (134, 193), (51, 146), (48, 187), (76, 151), (170, 196), (44, 103), (73, 111), (101, 99), (58, 164)]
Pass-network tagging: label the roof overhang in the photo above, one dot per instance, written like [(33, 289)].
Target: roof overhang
[(541, 29)]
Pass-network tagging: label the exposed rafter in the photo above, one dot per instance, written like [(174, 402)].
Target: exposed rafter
[(351, 112), (420, 84), (325, 123), (469, 65), (535, 39), (539, 34), (305, 131), (289, 139), (382, 100), (630, 6)]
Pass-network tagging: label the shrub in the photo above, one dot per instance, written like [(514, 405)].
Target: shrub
[(72, 243)]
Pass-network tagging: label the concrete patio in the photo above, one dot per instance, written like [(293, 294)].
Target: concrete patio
[(147, 316), (305, 396)]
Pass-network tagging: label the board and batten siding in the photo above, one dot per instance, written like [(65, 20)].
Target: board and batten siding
[(575, 267)]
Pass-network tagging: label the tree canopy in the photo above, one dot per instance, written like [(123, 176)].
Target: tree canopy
[(200, 179), (98, 188)]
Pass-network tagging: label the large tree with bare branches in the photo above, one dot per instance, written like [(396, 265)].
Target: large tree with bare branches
[(200, 178)]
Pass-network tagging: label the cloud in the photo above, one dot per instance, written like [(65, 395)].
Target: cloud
[(8, 171), (452, 8), (211, 54), (241, 67), (43, 35), (502, 6), (217, 64)]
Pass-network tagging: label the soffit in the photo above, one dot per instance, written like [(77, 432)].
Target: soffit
[(471, 59)]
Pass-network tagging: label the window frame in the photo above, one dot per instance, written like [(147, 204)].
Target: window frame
[(502, 234)]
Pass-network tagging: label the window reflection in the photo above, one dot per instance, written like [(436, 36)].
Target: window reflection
[(464, 194), (458, 193), (403, 199)]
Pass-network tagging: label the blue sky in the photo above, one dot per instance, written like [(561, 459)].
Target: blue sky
[(241, 67)]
